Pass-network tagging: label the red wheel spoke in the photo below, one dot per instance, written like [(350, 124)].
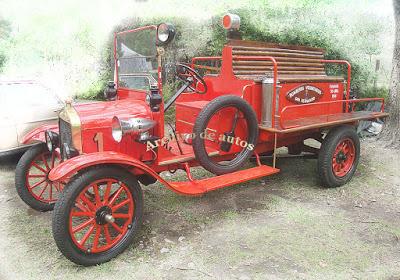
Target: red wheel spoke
[(92, 206), (83, 225), (96, 237), (36, 176), (119, 205), (56, 186), (38, 183), (86, 200), (87, 235), (121, 216), (82, 214), (107, 192), (81, 206), (117, 228), (343, 158), (44, 188), (53, 159), (45, 162), (38, 167), (51, 191), (107, 234), (97, 195), (115, 196)]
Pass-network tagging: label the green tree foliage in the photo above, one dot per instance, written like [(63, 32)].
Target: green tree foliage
[(5, 30), (316, 23)]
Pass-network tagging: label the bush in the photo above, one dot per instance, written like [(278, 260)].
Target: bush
[(304, 24), (5, 30)]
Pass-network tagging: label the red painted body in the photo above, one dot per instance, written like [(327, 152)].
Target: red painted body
[(96, 119), (37, 135)]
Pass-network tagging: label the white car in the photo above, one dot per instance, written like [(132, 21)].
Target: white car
[(24, 105)]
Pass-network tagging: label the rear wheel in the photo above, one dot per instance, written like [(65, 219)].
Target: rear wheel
[(98, 215), (338, 157), (31, 178)]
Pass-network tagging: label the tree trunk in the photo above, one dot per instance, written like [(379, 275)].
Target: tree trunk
[(391, 132)]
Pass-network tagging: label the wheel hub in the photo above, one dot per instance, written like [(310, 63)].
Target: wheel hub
[(104, 215), (341, 157)]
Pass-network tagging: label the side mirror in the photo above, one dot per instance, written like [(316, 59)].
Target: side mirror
[(110, 92)]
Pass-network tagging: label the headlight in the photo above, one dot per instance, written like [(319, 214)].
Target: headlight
[(165, 33), (120, 127), (52, 140)]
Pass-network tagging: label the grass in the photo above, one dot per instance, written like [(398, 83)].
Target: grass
[(282, 227)]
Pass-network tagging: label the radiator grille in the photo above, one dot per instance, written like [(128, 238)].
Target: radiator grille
[(65, 134)]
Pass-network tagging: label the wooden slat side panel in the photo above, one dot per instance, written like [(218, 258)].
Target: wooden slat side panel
[(241, 48), (266, 68), (281, 63), (286, 59), (255, 72), (296, 62), (246, 43), (277, 53), (293, 78)]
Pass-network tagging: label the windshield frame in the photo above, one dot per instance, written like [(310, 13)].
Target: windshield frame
[(116, 74)]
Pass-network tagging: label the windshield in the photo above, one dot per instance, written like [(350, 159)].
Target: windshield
[(136, 53)]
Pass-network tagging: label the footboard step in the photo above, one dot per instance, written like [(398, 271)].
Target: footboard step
[(198, 187)]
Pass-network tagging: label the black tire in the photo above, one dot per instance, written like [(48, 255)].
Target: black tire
[(327, 175), (201, 123), (65, 204), (21, 173)]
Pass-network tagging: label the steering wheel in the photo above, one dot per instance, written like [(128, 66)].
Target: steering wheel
[(190, 77)]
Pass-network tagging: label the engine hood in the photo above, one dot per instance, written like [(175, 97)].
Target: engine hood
[(100, 114)]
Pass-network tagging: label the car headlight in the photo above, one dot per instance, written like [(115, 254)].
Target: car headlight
[(120, 127), (52, 140), (165, 33)]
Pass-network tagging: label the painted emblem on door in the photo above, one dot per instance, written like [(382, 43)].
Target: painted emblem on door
[(304, 94)]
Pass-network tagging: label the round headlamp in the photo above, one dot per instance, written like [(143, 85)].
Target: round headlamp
[(120, 127), (165, 33), (52, 140)]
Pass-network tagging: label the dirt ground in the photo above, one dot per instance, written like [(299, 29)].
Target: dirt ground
[(281, 227)]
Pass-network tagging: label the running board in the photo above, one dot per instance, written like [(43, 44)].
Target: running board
[(198, 187)]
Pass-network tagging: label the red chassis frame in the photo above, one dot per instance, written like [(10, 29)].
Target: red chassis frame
[(290, 125)]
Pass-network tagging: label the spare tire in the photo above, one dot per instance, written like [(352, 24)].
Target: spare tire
[(246, 113)]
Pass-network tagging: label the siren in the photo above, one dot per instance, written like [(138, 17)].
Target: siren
[(231, 22)]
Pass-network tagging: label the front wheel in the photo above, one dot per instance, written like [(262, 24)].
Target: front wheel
[(97, 215), (31, 178), (338, 157)]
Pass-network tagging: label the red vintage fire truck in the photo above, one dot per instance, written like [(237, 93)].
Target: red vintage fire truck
[(253, 99)]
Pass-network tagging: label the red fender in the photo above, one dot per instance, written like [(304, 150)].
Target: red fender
[(38, 133), (68, 168), (192, 187)]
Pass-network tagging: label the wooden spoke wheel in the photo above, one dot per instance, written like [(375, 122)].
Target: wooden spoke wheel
[(98, 215), (31, 178), (338, 157)]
